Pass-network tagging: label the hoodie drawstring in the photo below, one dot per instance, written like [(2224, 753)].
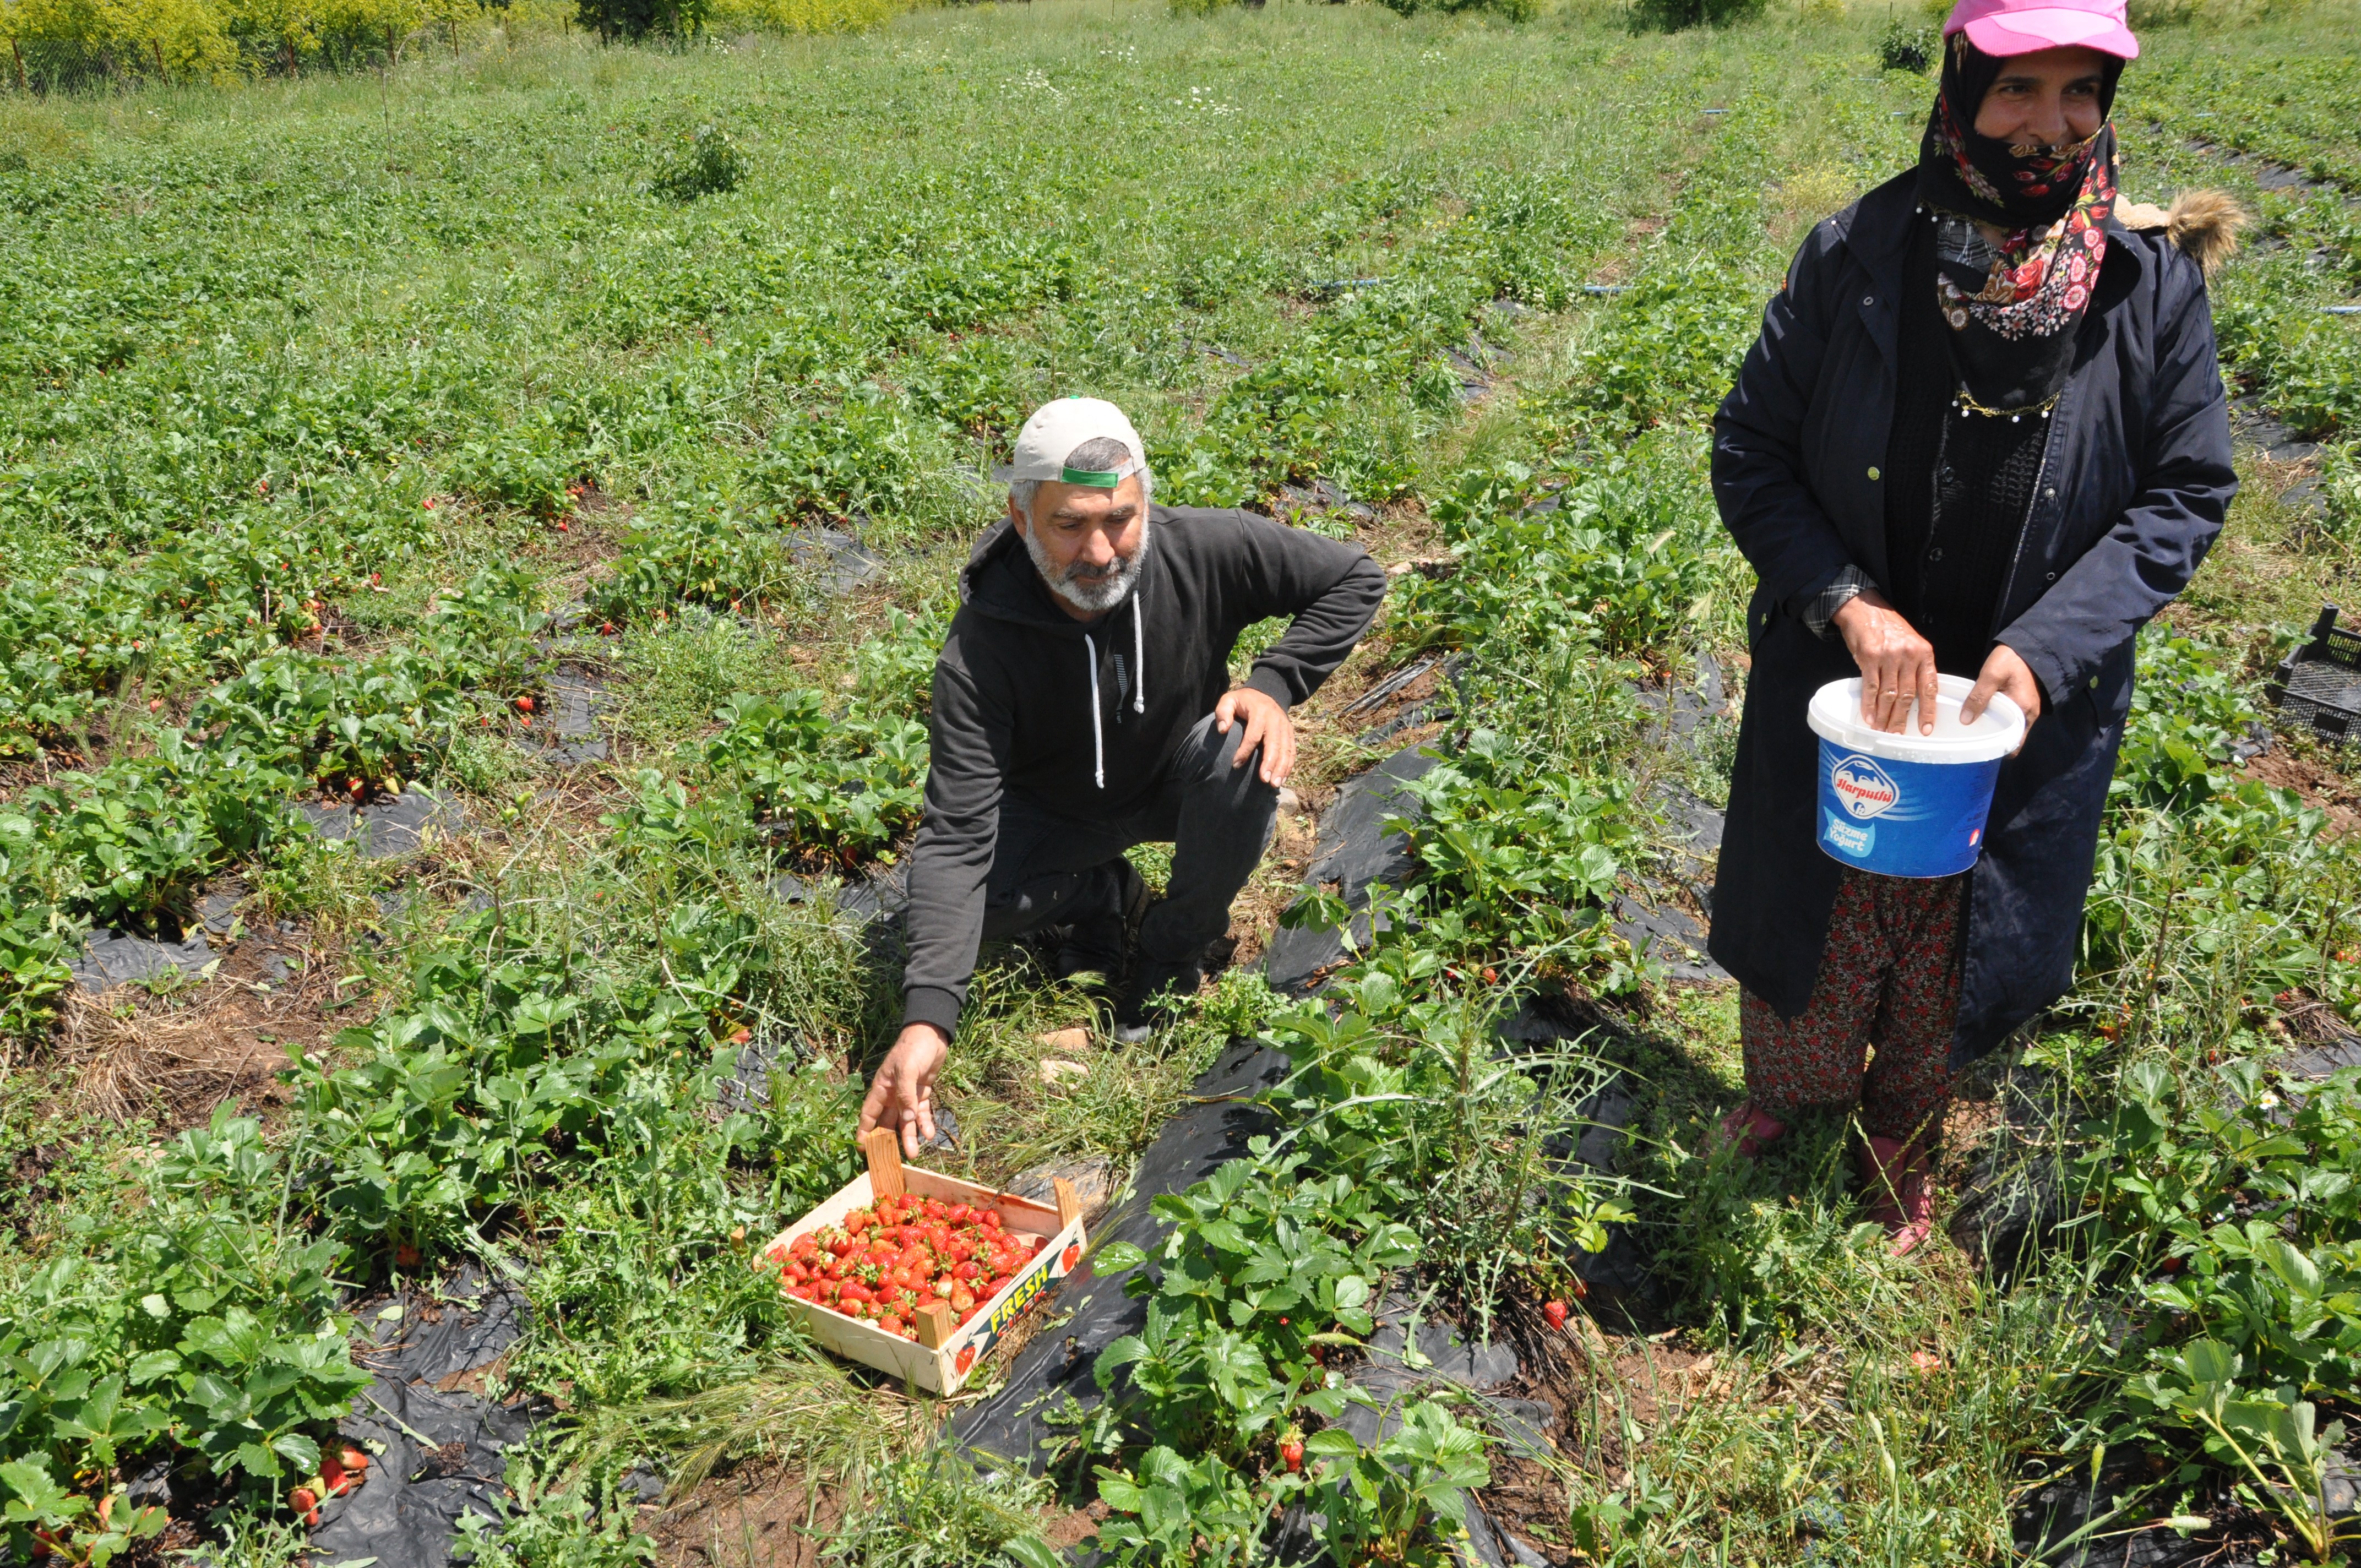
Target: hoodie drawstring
[(1098, 740), (1138, 687)]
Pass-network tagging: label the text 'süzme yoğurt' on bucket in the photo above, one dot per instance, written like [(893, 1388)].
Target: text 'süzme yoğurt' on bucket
[(1909, 805)]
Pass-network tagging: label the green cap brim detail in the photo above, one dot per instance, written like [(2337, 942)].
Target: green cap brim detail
[(1103, 478)]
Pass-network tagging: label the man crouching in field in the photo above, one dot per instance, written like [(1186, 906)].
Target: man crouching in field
[(1081, 706)]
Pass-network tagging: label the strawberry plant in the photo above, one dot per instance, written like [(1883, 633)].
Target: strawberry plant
[(2240, 1204), (1260, 1266), (381, 720), (1171, 1509), (42, 1520), (1508, 860), (2306, 364), (525, 468), (129, 843), (1618, 556), (694, 556), (2272, 1441), (34, 947), (845, 788), (36, 934), (1403, 1499), (205, 1324), (857, 459)]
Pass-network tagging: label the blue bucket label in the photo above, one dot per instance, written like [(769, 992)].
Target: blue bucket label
[(1864, 790), (1850, 837), (1902, 818)]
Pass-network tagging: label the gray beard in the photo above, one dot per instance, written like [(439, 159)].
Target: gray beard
[(1095, 596)]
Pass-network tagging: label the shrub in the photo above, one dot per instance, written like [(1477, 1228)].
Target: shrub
[(635, 19), (805, 15), (1907, 48), (1674, 16), (708, 163), (1514, 10)]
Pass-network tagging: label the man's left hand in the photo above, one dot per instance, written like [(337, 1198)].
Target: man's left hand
[(2004, 672), (1265, 724)]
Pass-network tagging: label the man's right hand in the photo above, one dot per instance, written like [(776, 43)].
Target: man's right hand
[(902, 1095), (1897, 665)]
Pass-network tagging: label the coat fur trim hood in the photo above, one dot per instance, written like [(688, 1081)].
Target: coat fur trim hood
[(2204, 223)]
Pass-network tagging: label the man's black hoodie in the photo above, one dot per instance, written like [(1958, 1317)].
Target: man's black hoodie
[(1082, 717)]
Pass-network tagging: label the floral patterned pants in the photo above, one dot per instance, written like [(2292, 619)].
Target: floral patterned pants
[(1889, 977)]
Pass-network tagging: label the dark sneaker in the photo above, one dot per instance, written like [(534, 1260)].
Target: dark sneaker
[(1104, 919), (1155, 988)]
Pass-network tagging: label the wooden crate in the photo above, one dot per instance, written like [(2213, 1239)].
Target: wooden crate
[(944, 1356)]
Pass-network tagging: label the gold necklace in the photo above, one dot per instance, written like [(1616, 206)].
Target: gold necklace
[(1966, 403)]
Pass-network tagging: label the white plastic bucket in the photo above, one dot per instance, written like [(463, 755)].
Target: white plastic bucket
[(1909, 805)]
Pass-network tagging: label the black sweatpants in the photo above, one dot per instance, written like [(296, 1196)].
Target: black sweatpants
[(1217, 818)]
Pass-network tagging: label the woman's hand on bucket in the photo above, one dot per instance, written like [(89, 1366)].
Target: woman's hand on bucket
[(2005, 673), (1897, 665)]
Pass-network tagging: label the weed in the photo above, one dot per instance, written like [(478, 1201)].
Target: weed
[(935, 1511)]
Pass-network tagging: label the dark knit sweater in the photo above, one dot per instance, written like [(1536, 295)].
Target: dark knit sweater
[(1959, 486)]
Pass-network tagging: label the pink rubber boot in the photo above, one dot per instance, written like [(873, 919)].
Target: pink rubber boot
[(1752, 1129), (1893, 1183)]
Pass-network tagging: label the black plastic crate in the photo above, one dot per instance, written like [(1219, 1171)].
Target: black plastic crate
[(2319, 682)]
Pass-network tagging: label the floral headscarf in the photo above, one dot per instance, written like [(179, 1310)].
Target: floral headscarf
[(2013, 306)]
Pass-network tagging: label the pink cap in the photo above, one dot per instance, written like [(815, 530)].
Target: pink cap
[(2003, 28)]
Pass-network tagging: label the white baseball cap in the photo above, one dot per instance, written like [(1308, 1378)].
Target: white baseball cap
[(1059, 428)]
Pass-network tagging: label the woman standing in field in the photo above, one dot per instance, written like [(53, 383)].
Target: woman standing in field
[(1983, 433)]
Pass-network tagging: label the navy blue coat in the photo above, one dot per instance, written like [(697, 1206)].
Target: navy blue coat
[(2131, 495)]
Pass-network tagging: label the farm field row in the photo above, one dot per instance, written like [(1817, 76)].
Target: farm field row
[(348, 428)]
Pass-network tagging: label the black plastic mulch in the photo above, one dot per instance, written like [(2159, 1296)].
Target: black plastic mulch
[(1355, 852), (436, 1450), (1009, 1427)]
